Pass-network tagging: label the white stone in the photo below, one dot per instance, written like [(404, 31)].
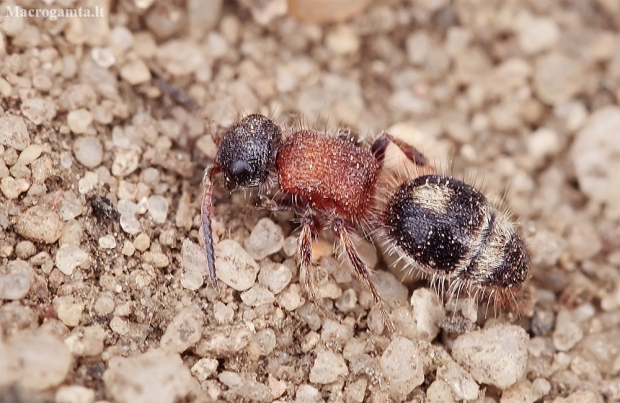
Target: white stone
[(495, 356), (235, 267), (70, 313), (184, 331), (68, 257), (462, 384), (275, 276), (11, 188), (15, 284), (427, 311), (155, 376), (595, 154), (79, 120), (439, 392), (158, 208), (194, 261), (135, 72), (567, 331), (342, 40), (536, 34), (265, 239), (125, 162), (107, 242), (88, 151), (328, 367), (30, 153), (558, 78), (204, 368), (75, 394), (257, 295), (37, 361), (401, 365), (13, 131)]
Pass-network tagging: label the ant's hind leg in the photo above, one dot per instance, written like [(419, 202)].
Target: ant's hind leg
[(361, 270), (380, 146)]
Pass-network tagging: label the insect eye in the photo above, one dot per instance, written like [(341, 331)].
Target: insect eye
[(240, 169)]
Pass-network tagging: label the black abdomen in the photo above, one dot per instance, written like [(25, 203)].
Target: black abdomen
[(450, 230)]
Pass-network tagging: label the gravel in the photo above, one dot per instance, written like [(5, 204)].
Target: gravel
[(495, 356), (98, 307)]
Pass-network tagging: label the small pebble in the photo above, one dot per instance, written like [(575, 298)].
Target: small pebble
[(595, 154), (194, 261), (11, 188), (142, 242), (262, 344), (291, 298), (274, 276), (257, 295), (68, 257), (75, 394), (125, 162), (154, 376), (328, 367), (439, 392), (536, 34), (103, 57), (30, 154), (558, 78), (157, 259), (462, 384), (79, 120), (158, 208), (13, 132), (265, 239), (342, 40), (307, 394), (235, 267), (402, 368), (184, 331), (119, 326), (72, 206), (347, 301), (244, 388), (39, 224), (518, 393), (428, 310), (495, 356), (107, 242), (567, 332), (39, 361), (25, 249), (88, 151), (204, 368), (70, 313), (38, 110), (135, 72), (15, 284)]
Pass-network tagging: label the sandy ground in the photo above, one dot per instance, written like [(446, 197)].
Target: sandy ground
[(106, 124)]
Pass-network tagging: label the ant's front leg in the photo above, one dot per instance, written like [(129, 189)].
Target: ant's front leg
[(309, 226), (267, 203), (205, 214)]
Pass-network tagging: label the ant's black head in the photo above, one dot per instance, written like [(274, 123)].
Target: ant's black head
[(247, 151)]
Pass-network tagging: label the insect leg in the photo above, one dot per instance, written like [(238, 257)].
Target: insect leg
[(361, 270), (381, 143), (205, 214)]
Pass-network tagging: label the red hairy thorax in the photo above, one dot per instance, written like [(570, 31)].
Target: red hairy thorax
[(332, 174)]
